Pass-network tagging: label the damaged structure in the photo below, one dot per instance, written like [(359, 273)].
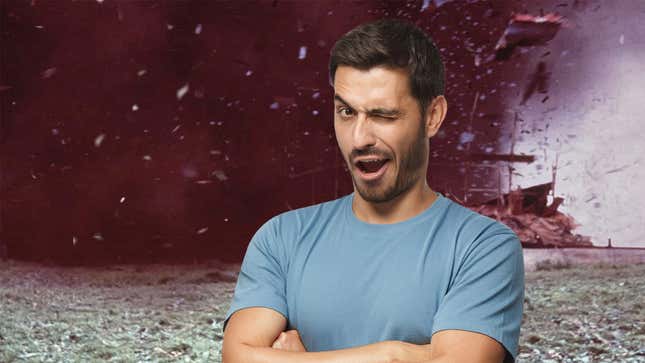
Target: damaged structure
[(537, 223)]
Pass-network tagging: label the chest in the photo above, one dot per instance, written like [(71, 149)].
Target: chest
[(342, 294)]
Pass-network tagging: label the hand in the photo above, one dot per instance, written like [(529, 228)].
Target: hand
[(290, 341), (404, 352)]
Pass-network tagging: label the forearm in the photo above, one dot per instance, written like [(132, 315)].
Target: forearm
[(370, 353)]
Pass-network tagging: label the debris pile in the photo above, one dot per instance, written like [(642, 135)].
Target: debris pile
[(537, 223)]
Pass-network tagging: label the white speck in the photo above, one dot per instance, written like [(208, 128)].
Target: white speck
[(198, 29), (220, 123), (202, 230), (225, 219), (147, 157), (306, 133), (248, 73), (488, 149), (182, 91), (99, 1), (145, 131), (189, 172), (211, 123), (274, 106), (122, 200), (466, 137), (482, 97), (48, 72), (203, 181), (219, 174), (98, 140), (169, 26), (135, 107), (621, 40), (141, 72), (54, 131), (97, 236), (74, 240), (302, 54), (175, 129), (315, 95), (314, 112), (215, 152), (39, 27)]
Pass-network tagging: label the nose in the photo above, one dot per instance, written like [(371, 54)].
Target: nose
[(363, 133)]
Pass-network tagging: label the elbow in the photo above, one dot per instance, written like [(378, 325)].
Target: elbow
[(236, 352), (232, 352)]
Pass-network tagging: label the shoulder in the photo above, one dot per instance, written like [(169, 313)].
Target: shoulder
[(292, 224), (476, 231), (471, 223)]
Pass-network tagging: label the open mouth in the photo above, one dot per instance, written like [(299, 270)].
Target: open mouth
[(372, 169)]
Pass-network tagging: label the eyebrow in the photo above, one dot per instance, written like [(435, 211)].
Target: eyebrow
[(373, 111)]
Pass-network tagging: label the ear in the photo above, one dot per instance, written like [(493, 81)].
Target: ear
[(435, 114)]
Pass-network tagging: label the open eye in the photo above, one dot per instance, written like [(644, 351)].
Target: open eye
[(345, 112)]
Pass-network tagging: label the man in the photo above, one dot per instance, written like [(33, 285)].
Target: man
[(393, 272)]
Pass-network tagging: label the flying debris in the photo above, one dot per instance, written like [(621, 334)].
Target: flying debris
[(302, 54), (97, 236), (99, 140), (122, 200), (527, 30), (198, 29), (147, 157), (135, 107), (202, 230), (435, 4), (466, 137), (182, 91), (219, 174), (141, 72), (47, 73), (539, 82)]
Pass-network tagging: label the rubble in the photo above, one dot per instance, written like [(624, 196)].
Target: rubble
[(537, 223)]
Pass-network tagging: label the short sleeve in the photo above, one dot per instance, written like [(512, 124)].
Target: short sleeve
[(487, 293), (261, 281)]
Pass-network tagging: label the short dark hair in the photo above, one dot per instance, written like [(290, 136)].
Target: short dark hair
[(393, 43)]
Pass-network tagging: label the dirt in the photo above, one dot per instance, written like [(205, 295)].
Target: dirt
[(165, 313)]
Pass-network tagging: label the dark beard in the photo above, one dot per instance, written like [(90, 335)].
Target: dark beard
[(413, 159)]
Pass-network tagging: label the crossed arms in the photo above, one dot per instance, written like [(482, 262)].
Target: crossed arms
[(253, 335)]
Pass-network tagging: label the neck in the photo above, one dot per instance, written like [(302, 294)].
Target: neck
[(405, 206)]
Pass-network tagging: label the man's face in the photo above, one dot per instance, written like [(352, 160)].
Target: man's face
[(376, 117)]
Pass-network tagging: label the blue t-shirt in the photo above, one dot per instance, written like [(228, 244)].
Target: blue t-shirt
[(342, 282)]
